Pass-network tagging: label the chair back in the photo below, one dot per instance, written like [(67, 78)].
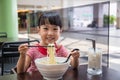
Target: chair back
[(10, 50)]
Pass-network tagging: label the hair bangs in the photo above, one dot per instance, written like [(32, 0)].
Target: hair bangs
[(50, 18)]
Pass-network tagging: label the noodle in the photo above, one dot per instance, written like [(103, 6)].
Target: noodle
[(51, 53)]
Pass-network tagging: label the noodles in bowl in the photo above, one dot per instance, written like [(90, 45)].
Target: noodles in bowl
[(51, 67), (52, 71)]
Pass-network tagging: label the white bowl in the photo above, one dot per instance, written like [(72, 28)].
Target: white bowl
[(52, 71)]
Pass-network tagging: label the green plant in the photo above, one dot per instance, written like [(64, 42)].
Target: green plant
[(106, 20), (112, 19), (109, 19)]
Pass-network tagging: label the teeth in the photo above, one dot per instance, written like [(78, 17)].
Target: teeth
[(50, 38)]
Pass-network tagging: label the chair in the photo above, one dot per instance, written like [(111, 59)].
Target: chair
[(10, 50), (3, 34)]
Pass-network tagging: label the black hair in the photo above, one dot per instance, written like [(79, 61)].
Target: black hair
[(52, 18)]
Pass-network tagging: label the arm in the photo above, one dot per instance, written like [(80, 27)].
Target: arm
[(20, 64), (24, 60), (75, 58), (74, 62), (23, 64)]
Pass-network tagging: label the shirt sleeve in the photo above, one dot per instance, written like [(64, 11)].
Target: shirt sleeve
[(30, 53), (62, 52)]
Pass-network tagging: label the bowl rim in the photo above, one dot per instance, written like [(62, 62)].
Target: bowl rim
[(59, 63)]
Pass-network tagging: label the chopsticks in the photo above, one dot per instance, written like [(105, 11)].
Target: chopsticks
[(39, 46), (16, 46)]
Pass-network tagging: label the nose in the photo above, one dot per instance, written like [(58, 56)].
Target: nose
[(50, 32)]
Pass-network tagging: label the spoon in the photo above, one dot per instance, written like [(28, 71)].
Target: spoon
[(70, 55)]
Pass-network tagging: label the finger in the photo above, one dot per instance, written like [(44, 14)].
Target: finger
[(23, 45), (22, 48), (75, 53), (75, 56)]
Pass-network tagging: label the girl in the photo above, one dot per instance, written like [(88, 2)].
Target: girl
[(50, 28)]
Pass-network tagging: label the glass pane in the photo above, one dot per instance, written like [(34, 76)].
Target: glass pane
[(81, 22), (114, 39), (88, 21)]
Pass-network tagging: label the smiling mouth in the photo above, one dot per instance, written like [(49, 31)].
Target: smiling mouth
[(51, 39)]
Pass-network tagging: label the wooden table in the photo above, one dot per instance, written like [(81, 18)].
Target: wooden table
[(80, 74)]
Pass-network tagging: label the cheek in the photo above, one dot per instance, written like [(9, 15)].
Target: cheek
[(57, 35), (42, 34)]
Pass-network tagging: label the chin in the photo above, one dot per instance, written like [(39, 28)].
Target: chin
[(50, 42)]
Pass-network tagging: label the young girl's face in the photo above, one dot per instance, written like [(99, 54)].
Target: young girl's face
[(49, 33)]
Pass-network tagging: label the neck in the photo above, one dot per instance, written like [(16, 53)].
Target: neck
[(42, 43)]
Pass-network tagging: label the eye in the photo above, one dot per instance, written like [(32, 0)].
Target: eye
[(55, 29), (45, 28)]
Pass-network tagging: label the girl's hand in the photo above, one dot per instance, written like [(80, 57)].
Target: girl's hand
[(23, 48), (75, 58), (75, 54)]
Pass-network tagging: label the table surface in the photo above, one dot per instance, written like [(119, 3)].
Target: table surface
[(79, 74)]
